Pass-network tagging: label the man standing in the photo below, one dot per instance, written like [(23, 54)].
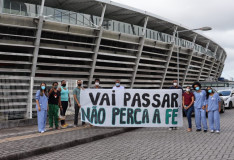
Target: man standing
[(117, 85), (175, 86), (77, 106), (97, 84)]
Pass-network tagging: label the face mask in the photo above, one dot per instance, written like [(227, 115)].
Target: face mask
[(64, 85), (210, 90), (79, 85), (96, 83), (55, 87), (43, 87), (197, 88), (175, 84), (117, 84), (187, 89)]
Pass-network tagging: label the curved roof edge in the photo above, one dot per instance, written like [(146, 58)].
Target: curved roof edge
[(181, 27), (124, 13)]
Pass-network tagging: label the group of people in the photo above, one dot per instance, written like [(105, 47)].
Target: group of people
[(55, 99), (201, 102)]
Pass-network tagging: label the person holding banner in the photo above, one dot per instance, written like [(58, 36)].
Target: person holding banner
[(97, 84), (77, 106), (65, 98), (175, 86), (42, 107), (188, 100), (117, 85), (213, 107), (200, 107)]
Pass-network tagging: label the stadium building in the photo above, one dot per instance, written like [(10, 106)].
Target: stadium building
[(52, 40)]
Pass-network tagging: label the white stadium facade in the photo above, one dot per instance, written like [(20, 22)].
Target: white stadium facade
[(54, 40)]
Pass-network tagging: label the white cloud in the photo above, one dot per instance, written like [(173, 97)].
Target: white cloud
[(218, 14)]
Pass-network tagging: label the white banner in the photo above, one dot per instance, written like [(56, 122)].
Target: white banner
[(132, 107)]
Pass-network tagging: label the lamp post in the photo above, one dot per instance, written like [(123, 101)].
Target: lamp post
[(177, 36)]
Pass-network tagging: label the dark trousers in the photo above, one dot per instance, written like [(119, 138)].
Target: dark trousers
[(77, 109), (63, 112), (188, 114)]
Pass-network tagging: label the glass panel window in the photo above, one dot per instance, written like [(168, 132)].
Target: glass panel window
[(58, 15), (73, 17), (65, 16), (50, 13), (80, 19)]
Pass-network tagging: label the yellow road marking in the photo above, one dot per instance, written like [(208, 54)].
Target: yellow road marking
[(17, 138)]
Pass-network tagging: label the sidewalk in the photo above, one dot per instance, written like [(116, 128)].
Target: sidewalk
[(23, 142)]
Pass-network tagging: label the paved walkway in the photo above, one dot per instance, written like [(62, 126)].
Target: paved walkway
[(157, 144), (25, 142)]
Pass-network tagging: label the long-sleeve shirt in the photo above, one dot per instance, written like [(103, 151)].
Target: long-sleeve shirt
[(43, 101), (213, 102), (200, 99)]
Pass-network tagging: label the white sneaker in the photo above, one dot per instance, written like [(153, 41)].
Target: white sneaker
[(217, 131), (170, 129), (42, 131), (211, 131)]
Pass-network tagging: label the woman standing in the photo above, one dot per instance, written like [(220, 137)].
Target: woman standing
[(199, 107), (64, 92), (213, 108), (42, 106), (188, 99)]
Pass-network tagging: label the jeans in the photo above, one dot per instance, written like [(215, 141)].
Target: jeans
[(77, 109), (188, 114), (63, 112)]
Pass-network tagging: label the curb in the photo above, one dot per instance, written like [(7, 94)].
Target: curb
[(47, 149), (24, 122)]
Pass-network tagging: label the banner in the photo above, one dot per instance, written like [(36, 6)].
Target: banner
[(132, 107)]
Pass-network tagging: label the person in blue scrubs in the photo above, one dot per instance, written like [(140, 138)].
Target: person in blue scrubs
[(42, 107), (200, 107), (213, 108)]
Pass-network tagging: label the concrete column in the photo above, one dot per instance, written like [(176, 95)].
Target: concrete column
[(189, 59), (1, 6), (215, 52), (213, 61), (221, 54), (203, 63), (140, 48), (96, 48), (224, 57), (219, 63), (207, 46), (35, 58), (212, 66), (169, 56), (221, 70), (217, 69)]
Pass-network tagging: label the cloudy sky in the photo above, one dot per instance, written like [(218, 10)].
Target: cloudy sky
[(218, 14)]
